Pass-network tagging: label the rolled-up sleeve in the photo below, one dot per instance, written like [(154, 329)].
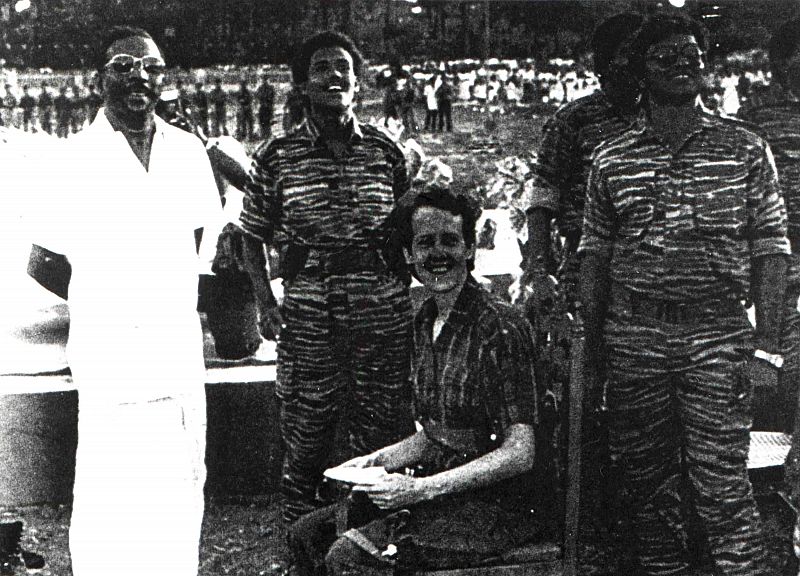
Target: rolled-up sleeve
[(549, 177), (261, 208), (768, 220), (512, 372)]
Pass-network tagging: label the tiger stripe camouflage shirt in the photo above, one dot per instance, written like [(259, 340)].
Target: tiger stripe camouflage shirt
[(300, 193), (569, 138), (779, 124), (685, 226)]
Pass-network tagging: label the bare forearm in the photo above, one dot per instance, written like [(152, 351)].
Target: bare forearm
[(595, 288), (515, 456), (769, 285), (255, 259), (407, 452)]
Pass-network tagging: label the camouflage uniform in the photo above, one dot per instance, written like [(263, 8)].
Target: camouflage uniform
[(562, 170), (683, 229), (346, 345), (779, 124)]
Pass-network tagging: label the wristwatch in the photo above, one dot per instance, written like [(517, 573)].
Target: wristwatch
[(775, 359)]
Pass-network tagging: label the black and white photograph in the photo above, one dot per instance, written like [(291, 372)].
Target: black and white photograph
[(400, 287)]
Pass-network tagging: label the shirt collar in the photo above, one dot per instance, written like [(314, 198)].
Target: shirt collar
[(463, 310), (309, 129), (102, 125), (705, 121)]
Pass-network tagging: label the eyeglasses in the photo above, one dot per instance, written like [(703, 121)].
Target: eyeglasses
[(124, 63), (669, 59)]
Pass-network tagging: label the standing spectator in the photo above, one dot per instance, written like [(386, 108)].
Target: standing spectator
[(45, 104), (127, 200), (27, 103), (408, 98), (394, 101), (323, 195), (219, 98), (480, 91), (76, 117), (444, 101), (431, 106), (265, 94), (9, 106), (63, 107), (93, 103), (200, 104), (183, 98), (556, 193), (244, 117), (678, 232), (779, 123), (295, 109)]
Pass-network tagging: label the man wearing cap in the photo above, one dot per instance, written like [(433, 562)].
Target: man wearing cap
[(684, 221), (323, 195), (135, 343)]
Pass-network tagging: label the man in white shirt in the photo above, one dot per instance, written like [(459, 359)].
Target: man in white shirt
[(431, 107), (124, 205)]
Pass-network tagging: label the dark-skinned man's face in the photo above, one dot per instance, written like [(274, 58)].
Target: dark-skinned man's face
[(132, 77), (673, 68), (332, 82)]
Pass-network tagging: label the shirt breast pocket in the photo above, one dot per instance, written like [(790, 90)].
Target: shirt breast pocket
[(720, 214)]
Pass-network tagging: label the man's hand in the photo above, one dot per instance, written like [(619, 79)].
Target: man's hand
[(762, 374), (537, 291), (270, 321), (396, 491)]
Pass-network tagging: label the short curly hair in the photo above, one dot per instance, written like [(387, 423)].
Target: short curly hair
[(450, 199), (327, 39), (783, 45), (656, 28), (608, 36)]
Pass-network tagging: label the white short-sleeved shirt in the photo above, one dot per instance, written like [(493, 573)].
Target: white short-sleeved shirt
[(129, 236)]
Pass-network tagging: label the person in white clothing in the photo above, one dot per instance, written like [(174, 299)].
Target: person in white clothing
[(125, 204), (431, 106)]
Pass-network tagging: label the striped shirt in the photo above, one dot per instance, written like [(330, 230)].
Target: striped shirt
[(565, 157), (477, 375), (685, 226), (779, 124), (300, 193)]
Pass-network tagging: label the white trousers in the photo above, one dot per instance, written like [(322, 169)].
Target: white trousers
[(138, 497)]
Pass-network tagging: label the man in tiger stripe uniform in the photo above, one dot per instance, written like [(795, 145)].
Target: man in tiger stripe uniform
[(683, 221), (779, 122), (323, 195)]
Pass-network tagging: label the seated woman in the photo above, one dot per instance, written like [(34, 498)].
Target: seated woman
[(470, 495)]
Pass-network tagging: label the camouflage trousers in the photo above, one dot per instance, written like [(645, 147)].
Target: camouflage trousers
[(679, 401), (344, 353)]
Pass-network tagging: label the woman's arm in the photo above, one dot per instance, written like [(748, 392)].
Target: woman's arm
[(515, 456)]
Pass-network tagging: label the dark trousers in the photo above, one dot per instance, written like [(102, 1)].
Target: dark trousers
[(450, 532), (678, 395), (220, 121), (430, 119), (344, 353), (445, 115), (265, 120)]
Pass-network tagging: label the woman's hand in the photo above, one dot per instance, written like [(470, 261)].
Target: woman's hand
[(397, 491)]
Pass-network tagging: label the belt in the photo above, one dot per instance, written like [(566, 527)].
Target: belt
[(674, 312), (343, 262)]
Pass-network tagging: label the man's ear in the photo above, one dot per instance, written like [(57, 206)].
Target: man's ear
[(409, 257), (357, 85)]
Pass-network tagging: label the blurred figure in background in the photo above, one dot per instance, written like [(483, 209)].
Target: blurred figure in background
[(265, 94), (244, 113), (219, 98)]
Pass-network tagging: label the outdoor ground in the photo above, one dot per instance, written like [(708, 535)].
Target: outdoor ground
[(244, 536)]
